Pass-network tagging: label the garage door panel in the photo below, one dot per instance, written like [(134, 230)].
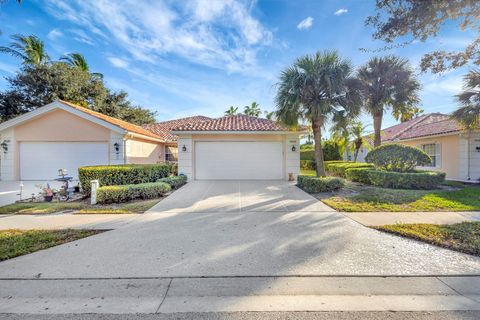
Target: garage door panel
[(41, 160), (238, 160)]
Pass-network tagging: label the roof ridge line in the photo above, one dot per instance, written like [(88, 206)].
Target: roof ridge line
[(410, 126)]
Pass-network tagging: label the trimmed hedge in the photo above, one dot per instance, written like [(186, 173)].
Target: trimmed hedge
[(323, 184), (358, 174), (397, 157), (122, 174), (175, 181), (125, 193), (405, 180), (338, 168)]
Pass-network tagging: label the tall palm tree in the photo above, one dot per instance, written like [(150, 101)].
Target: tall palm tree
[(315, 88), (270, 115), (231, 111), (28, 48), (252, 110), (407, 113), (357, 132), (469, 112), (387, 82)]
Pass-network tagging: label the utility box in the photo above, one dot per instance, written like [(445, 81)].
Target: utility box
[(94, 186)]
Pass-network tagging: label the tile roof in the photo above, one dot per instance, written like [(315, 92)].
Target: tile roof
[(427, 125), (163, 129), (117, 122), (239, 122)]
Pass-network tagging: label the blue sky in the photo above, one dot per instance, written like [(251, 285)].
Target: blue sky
[(183, 58)]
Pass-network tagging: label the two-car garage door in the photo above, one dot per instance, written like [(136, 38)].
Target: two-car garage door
[(41, 160), (231, 160)]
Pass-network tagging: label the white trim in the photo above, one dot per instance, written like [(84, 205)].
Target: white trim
[(58, 105), (130, 135), (238, 132)]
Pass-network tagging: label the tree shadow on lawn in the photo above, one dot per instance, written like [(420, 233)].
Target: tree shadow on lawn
[(359, 197)]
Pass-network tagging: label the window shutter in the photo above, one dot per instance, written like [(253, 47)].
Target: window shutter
[(438, 154)]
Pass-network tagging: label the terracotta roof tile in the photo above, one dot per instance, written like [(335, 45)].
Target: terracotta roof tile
[(117, 122), (234, 123), (163, 129)]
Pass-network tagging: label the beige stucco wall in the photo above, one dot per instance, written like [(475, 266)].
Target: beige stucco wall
[(144, 151), (450, 149), (59, 125)]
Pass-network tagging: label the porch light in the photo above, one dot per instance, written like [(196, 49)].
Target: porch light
[(184, 148), (4, 146), (117, 147), (294, 149)]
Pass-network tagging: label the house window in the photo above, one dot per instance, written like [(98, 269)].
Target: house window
[(432, 150), (171, 154)]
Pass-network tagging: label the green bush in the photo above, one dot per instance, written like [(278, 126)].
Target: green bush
[(338, 168), (405, 180), (175, 181), (122, 174), (397, 157), (307, 165), (125, 193), (358, 174), (323, 184), (331, 151)]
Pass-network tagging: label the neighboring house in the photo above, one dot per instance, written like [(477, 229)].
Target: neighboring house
[(61, 135), (452, 149), (238, 147)]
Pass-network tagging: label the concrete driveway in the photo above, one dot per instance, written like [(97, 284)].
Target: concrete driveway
[(246, 228)]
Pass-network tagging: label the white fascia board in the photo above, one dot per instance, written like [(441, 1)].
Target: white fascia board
[(58, 105), (131, 135), (238, 132)]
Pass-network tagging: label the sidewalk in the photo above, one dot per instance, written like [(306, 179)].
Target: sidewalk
[(238, 294), (371, 219), (66, 221)]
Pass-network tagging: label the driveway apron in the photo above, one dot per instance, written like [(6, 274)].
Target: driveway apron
[(240, 228)]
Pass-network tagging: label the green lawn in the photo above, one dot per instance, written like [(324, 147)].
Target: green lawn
[(79, 207), (308, 172), (369, 198), (464, 237), (14, 243)]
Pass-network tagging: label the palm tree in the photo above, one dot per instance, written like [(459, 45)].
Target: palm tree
[(357, 132), (28, 48), (252, 110), (231, 111), (270, 115), (388, 82), (469, 112), (407, 113), (76, 60), (315, 88)]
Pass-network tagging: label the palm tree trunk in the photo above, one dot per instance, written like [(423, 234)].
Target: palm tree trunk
[(355, 156), (377, 127), (317, 125)]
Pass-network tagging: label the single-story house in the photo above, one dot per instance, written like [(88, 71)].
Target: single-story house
[(62, 135), (453, 150), (238, 147)]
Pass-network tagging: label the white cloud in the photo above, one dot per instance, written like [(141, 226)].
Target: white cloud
[(117, 62), (81, 36), (54, 34), (305, 24), (219, 34), (340, 11), (446, 85)]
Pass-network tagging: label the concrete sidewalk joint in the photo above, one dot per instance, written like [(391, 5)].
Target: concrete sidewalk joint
[(373, 219)]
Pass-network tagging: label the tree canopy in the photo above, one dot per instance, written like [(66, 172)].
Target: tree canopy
[(469, 99), (412, 20)]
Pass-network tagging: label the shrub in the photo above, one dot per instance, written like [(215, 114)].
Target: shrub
[(358, 174), (323, 184), (124, 193), (175, 181), (122, 174), (397, 157), (405, 180), (330, 149), (338, 168), (307, 165)]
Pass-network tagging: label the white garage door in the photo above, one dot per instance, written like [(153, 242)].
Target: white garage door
[(238, 160), (41, 160)]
